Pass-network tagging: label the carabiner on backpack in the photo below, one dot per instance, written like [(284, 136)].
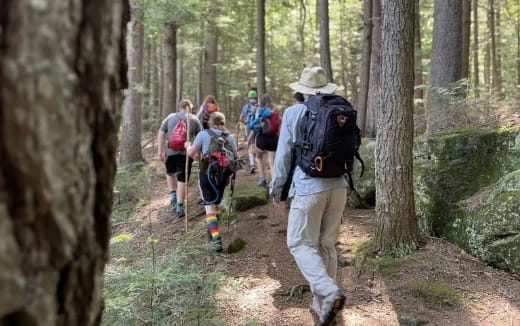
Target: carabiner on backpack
[(318, 161)]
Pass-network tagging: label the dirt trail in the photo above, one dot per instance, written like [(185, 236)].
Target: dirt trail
[(258, 278)]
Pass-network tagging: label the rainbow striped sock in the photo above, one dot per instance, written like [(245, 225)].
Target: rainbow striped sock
[(212, 222)]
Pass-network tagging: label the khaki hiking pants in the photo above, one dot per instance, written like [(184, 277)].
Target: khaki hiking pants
[(312, 232)]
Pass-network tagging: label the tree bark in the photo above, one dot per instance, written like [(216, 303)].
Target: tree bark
[(487, 66), (418, 93), (156, 80), (260, 47), (301, 27), (446, 58), (396, 228), (180, 75), (147, 76), (375, 72), (493, 49), (130, 147), (62, 69), (365, 66), (169, 103), (476, 82), (517, 47), (498, 48), (466, 23), (209, 85), (323, 14)]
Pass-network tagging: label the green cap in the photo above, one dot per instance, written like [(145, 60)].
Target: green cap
[(252, 94)]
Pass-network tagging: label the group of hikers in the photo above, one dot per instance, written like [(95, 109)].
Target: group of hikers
[(305, 170)]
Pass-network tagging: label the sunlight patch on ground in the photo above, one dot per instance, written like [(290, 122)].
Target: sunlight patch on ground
[(354, 319), (248, 292), (499, 308)]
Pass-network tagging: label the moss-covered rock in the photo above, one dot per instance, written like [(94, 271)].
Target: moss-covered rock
[(465, 185), (449, 167), (236, 245), (246, 197), (488, 223), (364, 185)]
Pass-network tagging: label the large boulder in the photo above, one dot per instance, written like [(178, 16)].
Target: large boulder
[(246, 197), (465, 190), (488, 224)]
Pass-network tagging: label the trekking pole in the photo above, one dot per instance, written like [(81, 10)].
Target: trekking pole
[(186, 176), (232, 190), (237, 132)]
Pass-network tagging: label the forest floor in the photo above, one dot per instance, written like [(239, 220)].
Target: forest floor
[(439, 284)]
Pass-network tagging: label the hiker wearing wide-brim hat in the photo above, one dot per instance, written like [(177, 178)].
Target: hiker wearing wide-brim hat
[(316, 207), (313, 80)]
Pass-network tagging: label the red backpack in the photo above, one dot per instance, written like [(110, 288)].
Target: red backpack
[(178, 136), (274, 123)]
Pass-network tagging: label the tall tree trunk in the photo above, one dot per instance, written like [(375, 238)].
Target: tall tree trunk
[(517, 47), (445, 59), (180, 75), (375, 72), (498, 45), (260, 46), (147, 77), (365, 65), (59, 117), (418, 93), (466, 23), (301, 27), (487, 66), (160, 50), (344, 48), (493, 49), (156, 80), (200, 70), (130, 147), (476, 82), (209, 85), (353, 76), (323, 14), (396, 228), (169, 103)]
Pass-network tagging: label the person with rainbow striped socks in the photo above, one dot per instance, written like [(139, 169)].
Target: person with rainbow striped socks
[(214, 173)]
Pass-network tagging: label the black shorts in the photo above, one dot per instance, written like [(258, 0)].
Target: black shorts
[(212, 191), (266, 142), (176, 165)]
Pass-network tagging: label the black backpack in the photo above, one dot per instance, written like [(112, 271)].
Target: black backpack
[(328, 139)]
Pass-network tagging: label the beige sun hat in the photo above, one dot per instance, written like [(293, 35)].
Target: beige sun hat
[(313, 80)]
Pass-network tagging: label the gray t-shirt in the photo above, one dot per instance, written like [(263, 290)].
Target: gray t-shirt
[(171, 122), (203, 140)]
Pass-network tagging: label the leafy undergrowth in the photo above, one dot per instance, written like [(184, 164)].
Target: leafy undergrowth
[(148, 282), (175, 288)]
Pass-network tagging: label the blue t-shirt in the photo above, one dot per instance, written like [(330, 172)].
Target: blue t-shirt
[(249, 111)]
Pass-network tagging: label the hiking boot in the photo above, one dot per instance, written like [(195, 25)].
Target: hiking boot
[(262, 182), (332, 304), (216, 246), (179, 210)]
